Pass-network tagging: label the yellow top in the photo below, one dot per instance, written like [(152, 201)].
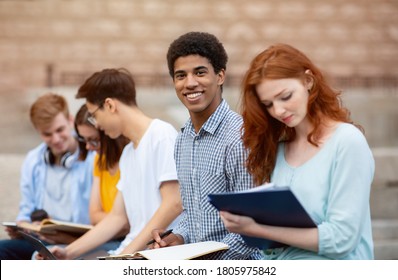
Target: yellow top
[(108, 183)]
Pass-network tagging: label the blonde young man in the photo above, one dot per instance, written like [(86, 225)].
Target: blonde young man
[(52, 177)]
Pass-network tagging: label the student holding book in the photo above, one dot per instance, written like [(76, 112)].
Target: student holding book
[(148, 194), (309, 143), (209, 151), (106, 172), (52, 177)]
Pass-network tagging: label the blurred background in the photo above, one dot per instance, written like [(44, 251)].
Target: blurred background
[(54, 45)]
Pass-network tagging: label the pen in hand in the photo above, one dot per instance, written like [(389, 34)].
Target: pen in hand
[(164, 234)]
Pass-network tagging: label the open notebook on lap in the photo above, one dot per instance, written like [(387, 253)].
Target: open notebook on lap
[(179, 252)]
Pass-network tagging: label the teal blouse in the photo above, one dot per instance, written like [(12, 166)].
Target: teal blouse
[(334, 188)]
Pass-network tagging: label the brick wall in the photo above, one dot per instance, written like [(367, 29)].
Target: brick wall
[(355, 38)]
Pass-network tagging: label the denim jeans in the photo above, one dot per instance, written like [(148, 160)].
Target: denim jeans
[(15, 249)]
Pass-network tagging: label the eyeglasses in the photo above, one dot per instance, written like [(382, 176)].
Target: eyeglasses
[(91, 116), (93, 142)]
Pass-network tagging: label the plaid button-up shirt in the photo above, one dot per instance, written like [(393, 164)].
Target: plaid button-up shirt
[(212, 161)]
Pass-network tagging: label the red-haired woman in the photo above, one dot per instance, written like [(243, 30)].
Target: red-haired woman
[(298, 134)]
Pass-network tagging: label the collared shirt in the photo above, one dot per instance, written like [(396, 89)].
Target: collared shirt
[(212, 161)]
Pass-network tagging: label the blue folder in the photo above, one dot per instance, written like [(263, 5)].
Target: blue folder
[(276, 206)]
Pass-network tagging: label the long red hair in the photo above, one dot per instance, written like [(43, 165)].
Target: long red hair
[(262, 133)]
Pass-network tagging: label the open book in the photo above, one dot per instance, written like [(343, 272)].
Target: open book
[(266, 204), (178, 252), (50, 226)]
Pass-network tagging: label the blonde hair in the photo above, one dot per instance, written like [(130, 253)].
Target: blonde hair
[(46, 108)]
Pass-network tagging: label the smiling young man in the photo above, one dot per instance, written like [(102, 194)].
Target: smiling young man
[(209, 152), (51, 177)]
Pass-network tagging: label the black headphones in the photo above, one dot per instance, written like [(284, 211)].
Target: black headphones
[(66, 161)]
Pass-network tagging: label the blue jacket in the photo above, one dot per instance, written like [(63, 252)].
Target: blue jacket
[(32, 185)]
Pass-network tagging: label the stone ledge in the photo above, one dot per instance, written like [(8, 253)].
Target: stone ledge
[(385, 238), (386, 160), (385, 229), (384, 203), (386, 249)]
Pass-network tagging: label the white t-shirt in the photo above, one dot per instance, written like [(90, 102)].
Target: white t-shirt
[(142, 170)]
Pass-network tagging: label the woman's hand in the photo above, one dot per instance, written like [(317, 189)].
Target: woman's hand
[(237, 224)]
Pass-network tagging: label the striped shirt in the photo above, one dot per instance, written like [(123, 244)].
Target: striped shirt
[(212, 161)]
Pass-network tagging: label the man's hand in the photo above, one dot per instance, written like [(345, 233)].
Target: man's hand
[(59, 252), (170, 240)]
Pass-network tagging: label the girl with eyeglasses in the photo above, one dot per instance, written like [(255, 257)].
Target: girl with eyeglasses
[(106, 164)]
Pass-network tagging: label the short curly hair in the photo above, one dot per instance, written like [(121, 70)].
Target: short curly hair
[(198, 43)]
